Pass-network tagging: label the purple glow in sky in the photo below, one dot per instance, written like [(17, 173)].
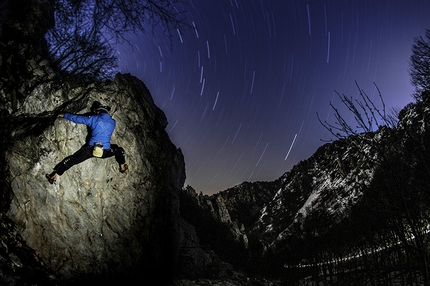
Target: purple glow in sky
[(242, 87)]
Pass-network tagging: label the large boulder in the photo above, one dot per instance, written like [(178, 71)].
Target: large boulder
[(95, 222)]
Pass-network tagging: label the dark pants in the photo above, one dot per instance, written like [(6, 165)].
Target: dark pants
[(85, 153)]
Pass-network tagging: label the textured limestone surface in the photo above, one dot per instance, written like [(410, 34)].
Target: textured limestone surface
[(95, 220)]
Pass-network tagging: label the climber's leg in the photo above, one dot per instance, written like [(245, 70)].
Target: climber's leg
[(119, 154), (81, 155)]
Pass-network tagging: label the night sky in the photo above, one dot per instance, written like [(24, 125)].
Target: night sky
[(242, 87)]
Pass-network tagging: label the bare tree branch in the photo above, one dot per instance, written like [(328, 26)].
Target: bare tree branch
[(86, 30), (366, 114)]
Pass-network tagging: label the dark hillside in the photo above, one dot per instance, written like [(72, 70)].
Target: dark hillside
[(355, 211)]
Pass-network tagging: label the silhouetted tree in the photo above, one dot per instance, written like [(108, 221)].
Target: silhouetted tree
[(420, 66), (80, 52), (86, 30)]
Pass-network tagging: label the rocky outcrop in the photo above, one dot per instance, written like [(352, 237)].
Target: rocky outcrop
[(236, 207), (95, 221), (223, 221)]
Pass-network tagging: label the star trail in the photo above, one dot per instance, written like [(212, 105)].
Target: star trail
[(241, 87)]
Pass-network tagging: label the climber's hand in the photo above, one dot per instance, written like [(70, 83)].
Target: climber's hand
[(61, 115)]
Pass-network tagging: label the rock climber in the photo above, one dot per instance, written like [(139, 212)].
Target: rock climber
[(102, 126)]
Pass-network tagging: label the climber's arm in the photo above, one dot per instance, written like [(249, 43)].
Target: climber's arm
[(76, 118)]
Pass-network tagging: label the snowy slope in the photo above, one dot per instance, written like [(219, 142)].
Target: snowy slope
[(330, 180)]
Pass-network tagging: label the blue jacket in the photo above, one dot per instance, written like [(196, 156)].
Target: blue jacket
[(102, 126)]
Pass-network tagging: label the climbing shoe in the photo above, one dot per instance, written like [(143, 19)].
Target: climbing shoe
[(51, 177), (123, 168)]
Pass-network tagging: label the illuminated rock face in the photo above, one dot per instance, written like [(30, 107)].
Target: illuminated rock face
[(95, 221)]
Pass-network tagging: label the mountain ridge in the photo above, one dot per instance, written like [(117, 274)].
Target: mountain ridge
[(343, 182)]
